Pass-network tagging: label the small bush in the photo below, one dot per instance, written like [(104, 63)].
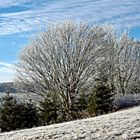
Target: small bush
[(126, 101)]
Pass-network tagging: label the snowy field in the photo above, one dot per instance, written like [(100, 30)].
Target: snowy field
[(23, 97), (122, 125)]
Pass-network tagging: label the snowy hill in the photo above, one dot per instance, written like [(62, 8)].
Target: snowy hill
[(121, 125)]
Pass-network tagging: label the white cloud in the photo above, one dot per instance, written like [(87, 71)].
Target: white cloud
[(6, 72), (120, 13)]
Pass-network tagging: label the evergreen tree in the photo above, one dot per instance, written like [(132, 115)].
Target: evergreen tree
[(8, 113), (101, 101), (16, 115), (30, 116)]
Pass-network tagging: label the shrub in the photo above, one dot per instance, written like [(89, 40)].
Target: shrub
[(126, 101)]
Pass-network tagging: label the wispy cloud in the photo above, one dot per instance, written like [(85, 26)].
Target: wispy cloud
[(120, 13), (9, 3), (6, 64)]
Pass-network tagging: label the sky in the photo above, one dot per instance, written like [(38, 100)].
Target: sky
[(20, 20)]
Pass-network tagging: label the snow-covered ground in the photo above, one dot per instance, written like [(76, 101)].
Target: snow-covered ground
[(122, 125)]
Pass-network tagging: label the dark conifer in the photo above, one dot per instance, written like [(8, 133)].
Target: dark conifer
[(101, 100), (16, 115)]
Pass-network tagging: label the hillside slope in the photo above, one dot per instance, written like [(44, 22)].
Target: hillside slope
[(122, 125)]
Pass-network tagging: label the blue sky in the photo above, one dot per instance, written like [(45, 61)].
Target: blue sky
[(21, 19)]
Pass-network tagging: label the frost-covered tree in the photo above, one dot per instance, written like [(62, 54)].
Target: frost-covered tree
[(64, 61), (61, 60)]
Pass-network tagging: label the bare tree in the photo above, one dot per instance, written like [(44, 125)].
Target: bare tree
[(127, 64), (63, 61), (120, 63)]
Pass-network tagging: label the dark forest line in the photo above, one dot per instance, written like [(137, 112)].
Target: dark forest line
[(8, 87)]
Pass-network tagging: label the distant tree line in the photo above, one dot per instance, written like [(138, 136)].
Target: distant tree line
[(8, 87)]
